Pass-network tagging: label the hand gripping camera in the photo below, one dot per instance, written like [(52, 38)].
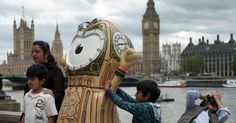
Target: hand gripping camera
[(211, 100)]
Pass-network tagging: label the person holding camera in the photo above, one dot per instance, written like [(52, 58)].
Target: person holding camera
[(211, 109)]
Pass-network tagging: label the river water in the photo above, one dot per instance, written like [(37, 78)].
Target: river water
[(171, 111)]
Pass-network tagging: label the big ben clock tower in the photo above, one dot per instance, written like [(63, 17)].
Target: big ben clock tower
[(151, 32)]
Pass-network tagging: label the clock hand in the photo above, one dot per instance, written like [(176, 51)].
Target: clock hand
[(121, 43)]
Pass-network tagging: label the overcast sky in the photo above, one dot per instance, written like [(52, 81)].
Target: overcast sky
[(179, 19)]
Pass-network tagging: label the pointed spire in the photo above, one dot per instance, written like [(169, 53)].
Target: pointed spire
[(57, 28), (57, 33), (150, 8), (14, 24), (32, 21), (32, 24), (57, 46), (150, 4)]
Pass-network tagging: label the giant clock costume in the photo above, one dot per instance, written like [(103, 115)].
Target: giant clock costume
[(96, 51)]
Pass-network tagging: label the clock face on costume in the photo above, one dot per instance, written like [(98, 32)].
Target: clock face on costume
[(85, 48), (146, 25), (156, 25), (120, 42)]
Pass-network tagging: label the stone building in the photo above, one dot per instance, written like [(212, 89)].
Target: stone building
[(218, 57), (57, 47), (170, 57), (149, 59), (20, 59)]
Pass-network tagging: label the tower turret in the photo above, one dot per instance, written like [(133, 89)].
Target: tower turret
[(151, 32), (190, 42), (57, 47), (231, 40), (32, 24)]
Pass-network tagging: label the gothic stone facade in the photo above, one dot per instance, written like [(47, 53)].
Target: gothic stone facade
[(149, 59), (170, 58), (20, 59)]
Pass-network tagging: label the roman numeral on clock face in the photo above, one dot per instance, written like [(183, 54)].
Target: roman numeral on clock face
[(99, 50), (90, 59)]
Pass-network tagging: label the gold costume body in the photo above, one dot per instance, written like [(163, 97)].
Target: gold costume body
[(85, 100)]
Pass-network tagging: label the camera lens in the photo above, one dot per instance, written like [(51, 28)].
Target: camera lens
[(212, 101)]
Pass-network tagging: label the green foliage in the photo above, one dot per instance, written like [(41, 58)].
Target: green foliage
[(192, 64)]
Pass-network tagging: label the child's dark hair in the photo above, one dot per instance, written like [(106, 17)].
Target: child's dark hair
[(149, 86), (37, 70)]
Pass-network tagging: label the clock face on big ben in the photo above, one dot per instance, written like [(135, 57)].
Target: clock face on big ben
[(146, 25), (120, 42), (85, 48), (156, 25)]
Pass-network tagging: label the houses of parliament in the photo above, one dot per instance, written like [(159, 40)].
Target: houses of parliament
[(23, 37), (148, 63)]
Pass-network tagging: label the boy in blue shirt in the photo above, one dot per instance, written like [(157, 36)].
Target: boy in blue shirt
[(144, 108)]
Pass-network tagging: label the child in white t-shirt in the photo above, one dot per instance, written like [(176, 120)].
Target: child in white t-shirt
[(38, 107)]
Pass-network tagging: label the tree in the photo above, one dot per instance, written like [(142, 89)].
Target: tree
[(192, 64)]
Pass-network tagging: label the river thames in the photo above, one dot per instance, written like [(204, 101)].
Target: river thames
[(171, 111)]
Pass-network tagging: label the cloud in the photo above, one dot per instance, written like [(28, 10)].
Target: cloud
[(179, 19)]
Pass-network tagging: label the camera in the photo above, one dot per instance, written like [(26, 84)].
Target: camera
[(211, 100)]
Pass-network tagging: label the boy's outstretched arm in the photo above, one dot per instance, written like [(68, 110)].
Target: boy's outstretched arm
[(133, 108), (120, 92), (125, 96)]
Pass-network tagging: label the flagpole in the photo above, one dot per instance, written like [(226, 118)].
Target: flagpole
[(23, 16)]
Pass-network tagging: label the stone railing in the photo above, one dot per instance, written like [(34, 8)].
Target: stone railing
[(9, 117)]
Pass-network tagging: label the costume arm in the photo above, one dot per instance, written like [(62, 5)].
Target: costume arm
[(134, 108), (127, 59), (125, 96), (192, 96)]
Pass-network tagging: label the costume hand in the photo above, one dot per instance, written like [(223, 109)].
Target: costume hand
[(128, 58), (63, 61), (48, 91)]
